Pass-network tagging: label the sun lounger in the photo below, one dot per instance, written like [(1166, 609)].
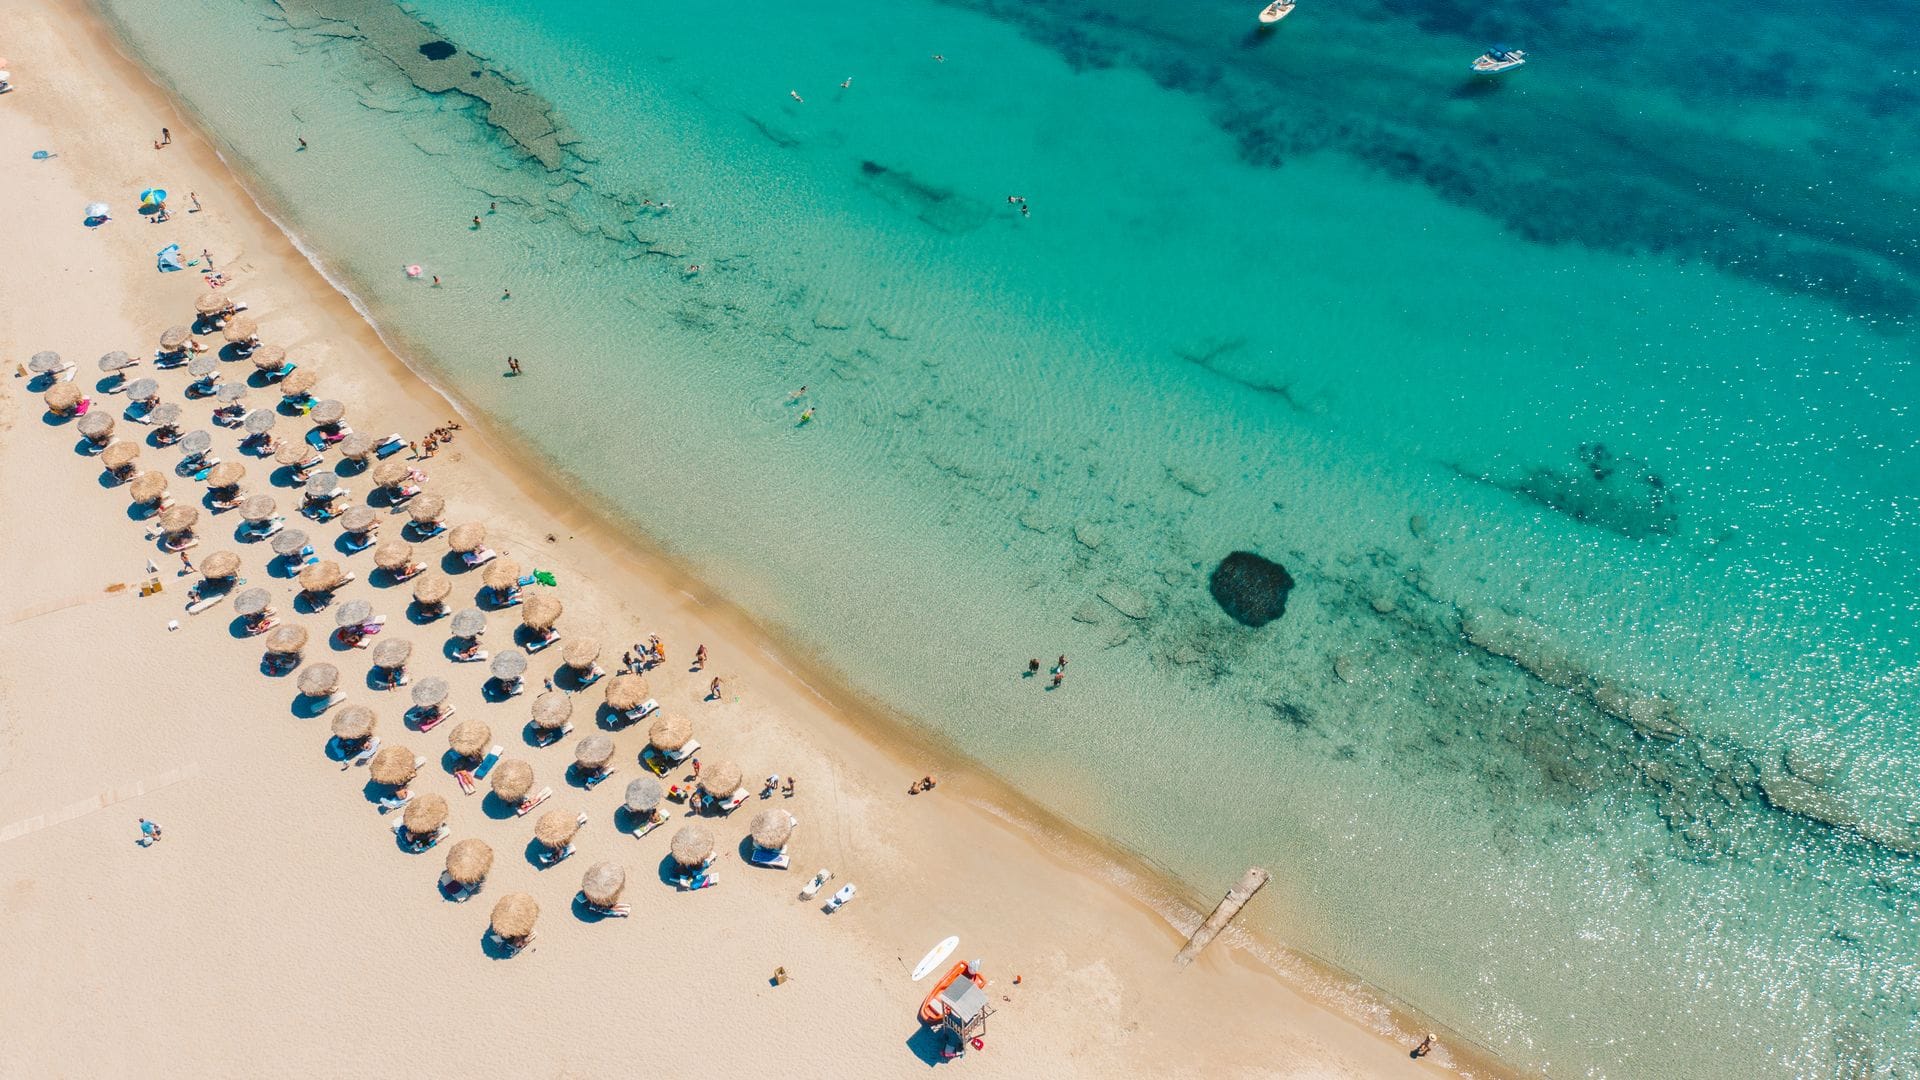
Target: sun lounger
[(455, 891), (395, 802), (732, 802), (617, 911), (473, 657), (328, 702), (418, 846), (705, 879), (593, 780), (390, 445), (641, 712), (812, 888), (356, 546), (478, 558), (269, 527), (548, 738), (189, 542), (649, 825), (840, 898), (433, 718), (550, 857), (534, 645), (366, 753), (328, 438), (487, 763), (773, 860), (428, 532), (532, 802)]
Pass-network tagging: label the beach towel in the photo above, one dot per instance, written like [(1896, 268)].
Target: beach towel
[(169, 258)]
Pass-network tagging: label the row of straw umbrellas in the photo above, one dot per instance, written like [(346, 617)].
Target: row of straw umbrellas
[(469, 860)]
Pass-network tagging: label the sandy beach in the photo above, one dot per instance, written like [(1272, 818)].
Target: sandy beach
[(279, 928)]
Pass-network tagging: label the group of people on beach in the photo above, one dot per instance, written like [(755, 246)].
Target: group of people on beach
[(431, 445)]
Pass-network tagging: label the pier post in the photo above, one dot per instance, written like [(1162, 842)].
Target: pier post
[(1223, 913)]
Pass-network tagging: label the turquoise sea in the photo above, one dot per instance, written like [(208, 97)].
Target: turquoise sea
[(1579, 404)]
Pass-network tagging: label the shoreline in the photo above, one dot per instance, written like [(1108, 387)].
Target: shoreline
[(600, 548)]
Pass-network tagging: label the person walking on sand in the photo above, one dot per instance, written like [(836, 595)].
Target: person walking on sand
[(1425, 1047), (186, 563), (207, 255), (195, 200), (713, 689), (787, 791), (149, 832), (699, 658)]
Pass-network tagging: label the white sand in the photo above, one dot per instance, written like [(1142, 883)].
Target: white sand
[(278, 929)]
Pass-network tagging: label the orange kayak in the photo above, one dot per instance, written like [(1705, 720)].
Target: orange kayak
[(931, 1011)]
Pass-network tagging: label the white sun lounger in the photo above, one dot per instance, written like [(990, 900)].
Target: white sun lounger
[(365, 755), (772, 860), (478, 558), (533, 802), (812, 888), (840, 898), (641, 711), (732, 802)]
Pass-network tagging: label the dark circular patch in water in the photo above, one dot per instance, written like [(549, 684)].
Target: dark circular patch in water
[(1251, 589), (438, 50)]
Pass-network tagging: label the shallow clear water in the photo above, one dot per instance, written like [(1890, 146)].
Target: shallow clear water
[(1578, 405)]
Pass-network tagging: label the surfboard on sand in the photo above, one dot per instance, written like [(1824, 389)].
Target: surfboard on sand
[(934, 957)]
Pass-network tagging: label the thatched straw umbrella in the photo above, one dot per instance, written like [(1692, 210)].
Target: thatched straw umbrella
[(468, 623), (514, 916), (602, 883), (468, 538), (625, 692), (257, 508), (143, 389), (428, 693), (253, 601), (202, 366), (220, 566), (593, 752), (211, 303), (43, 362), (468, 861), (427, 509), (179, 520), (119, 360), (355, 723), (300, 382), (97, 426), (229, 393), (289, 543), (508, 665), (287, 640), (392, 652), (470, 738), (556, 827), (720, 780), (425, 814), (692, 845), (353, 613), (511, 780), (193, 444), (63, 398), (242, 329), (119, 455), (294, 452), (669, 733), (164, 415), (393, 766), (328, 413), (174, 338), (269, 358), (357, 446), (540, 613), (552, 710), (322, 577), (393, 555), (581, 653), (390, 473), (772, 829), (319, 680), (432, 588), (643, 794), (261, 421), (359, 519), (147, 487), (321, 484), (501, 575), (226, 474)]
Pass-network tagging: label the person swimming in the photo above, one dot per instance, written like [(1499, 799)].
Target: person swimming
[(807, 416), (797, 394)]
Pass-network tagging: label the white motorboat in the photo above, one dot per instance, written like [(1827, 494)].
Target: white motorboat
[(1498, 59), (1276, 11)]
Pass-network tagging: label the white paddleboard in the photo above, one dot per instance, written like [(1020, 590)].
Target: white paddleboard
[(935, 958)]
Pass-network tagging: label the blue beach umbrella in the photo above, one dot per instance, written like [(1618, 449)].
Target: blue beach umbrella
[(153, 197)]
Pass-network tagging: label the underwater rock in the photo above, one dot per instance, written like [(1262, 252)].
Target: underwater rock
[(1417, 525), (1090, 613), (1192, 481), (1619, 493), (1384, 605), (1251, 589), (438, 50), (1805, 766), (1088, 534), (1344, 670), (1527, 645), (1035, 521), (1129, 602)]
